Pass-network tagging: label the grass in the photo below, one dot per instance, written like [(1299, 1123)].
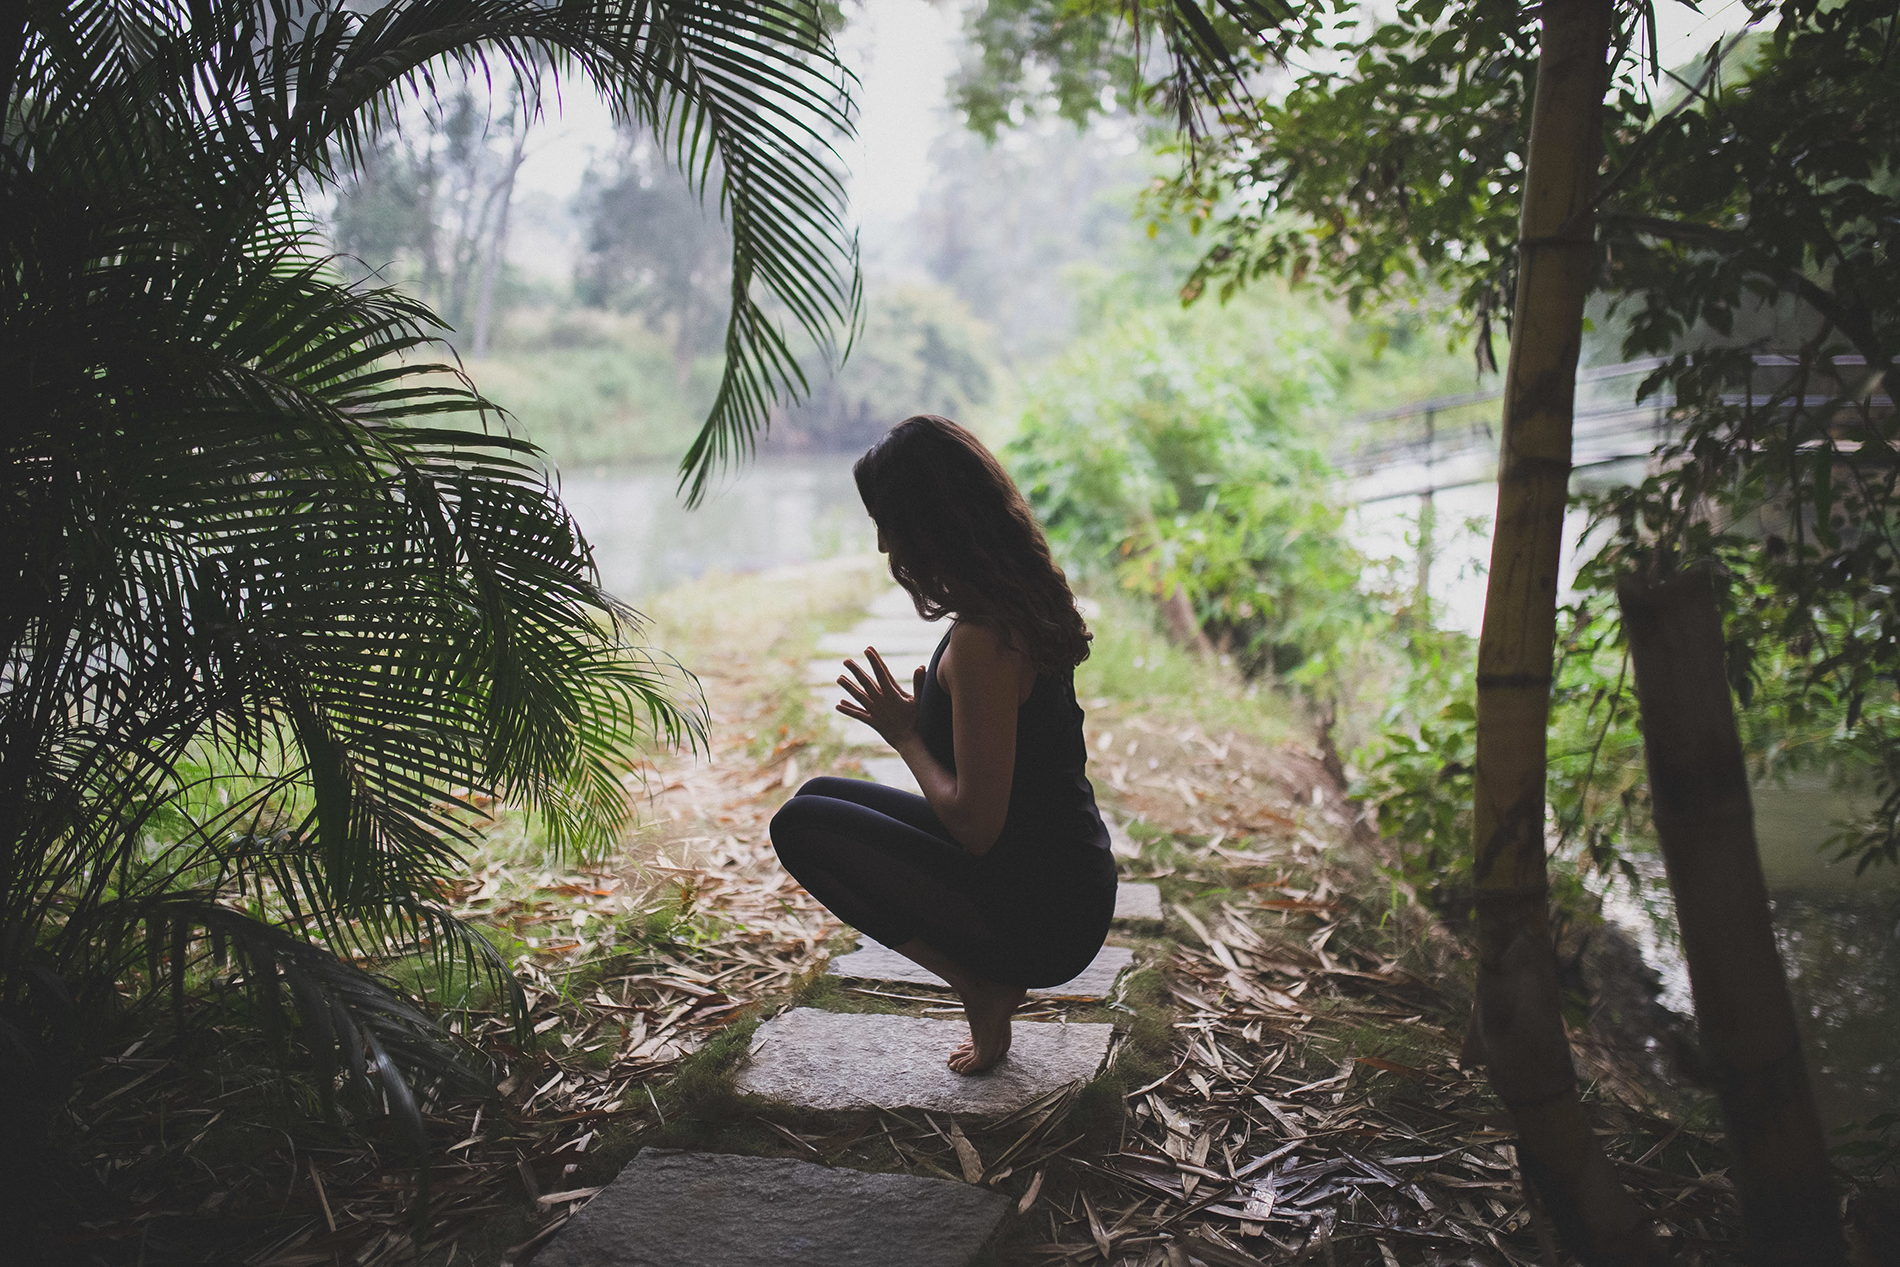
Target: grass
[(594, 388), (1133, 661)]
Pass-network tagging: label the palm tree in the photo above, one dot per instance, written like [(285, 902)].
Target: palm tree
[(283, 596)]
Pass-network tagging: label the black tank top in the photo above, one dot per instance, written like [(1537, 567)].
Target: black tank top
[(1052, 812)]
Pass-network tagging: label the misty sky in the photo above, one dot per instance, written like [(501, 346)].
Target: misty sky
[(903, 51)]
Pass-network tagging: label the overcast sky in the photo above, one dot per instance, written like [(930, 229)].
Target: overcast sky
[(903, 51)]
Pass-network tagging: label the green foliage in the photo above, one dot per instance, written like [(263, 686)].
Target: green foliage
[(1391, 172), (1752, 249), (1769, 192), (1168, 452), (590, 387), (1744, 225), (921, 351), (1871, 1148), (284, 603), (1807, 582), (1417, 770)]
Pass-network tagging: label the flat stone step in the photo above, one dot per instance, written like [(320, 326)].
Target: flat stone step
[(847, 1060), (682, 1209), (1136, 901), (878, 963), (850, 733), (894, 604), (893, 772), (825, 674), (892, 638)]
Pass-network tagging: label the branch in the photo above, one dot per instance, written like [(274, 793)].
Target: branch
[(1852, 321), (1648, 138)]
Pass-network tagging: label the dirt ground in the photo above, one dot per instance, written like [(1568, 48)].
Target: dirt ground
[(1285, 1084)]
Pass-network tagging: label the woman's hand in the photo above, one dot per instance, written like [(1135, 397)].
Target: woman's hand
[(877, 700)]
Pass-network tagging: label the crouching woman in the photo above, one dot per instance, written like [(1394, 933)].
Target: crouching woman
[(999, 877)]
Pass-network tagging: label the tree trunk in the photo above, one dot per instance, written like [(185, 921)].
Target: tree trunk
[(1520, 1025), (1699, 788), (497, 255)]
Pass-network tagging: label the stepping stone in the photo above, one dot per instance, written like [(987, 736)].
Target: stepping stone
[(850, 732), (676, 1209), (893, 772), (894, 604), (845, 1060), (892, 638), (824, 673), (1135, 901), (878, 963)]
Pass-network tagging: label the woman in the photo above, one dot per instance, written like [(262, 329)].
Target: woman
[(999, 876)]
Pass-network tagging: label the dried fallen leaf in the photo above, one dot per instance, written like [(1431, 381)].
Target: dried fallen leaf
[(966, 1154), (1029, 1197), (1097, 1232)]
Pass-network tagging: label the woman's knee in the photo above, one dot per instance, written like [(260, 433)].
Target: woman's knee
[(829, 786), (783, 829), (792, 827)]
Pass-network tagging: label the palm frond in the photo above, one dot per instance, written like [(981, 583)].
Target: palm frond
[(247, 520), (748, 94)]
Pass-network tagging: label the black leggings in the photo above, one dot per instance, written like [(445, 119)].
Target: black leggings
[(881, 861)]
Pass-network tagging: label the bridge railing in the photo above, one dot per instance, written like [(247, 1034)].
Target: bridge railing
[(1452, 441)]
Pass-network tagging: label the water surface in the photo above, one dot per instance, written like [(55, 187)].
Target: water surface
[(774, 511)]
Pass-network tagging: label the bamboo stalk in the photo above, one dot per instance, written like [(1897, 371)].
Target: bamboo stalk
[(1519, 1024)]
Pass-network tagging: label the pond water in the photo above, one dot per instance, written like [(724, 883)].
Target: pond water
[(774, 511), (1840, 934), (1840, 940)]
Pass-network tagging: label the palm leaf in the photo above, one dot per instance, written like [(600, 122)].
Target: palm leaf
[(248, 523), (748, 94)]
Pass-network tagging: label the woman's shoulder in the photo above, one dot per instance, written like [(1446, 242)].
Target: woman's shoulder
[(984, 646), (983, 638)]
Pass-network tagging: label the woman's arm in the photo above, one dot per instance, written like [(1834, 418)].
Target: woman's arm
[(988, 681)]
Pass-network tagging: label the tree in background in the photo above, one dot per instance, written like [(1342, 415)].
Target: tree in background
[(428, 207), (1753, 250), (1021, 227), (283, 603), (920, 352), (649, 246)]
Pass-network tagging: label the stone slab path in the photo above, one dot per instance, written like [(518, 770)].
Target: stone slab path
[(684, 1209), (676, 1209), (891, 772), (877, 963), (1135, 902), (842, 1060), (892, 638)]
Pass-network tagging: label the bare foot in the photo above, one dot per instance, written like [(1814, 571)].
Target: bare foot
[(988, 1005)]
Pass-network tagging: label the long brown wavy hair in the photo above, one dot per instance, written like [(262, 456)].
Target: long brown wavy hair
[(950, 514)]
